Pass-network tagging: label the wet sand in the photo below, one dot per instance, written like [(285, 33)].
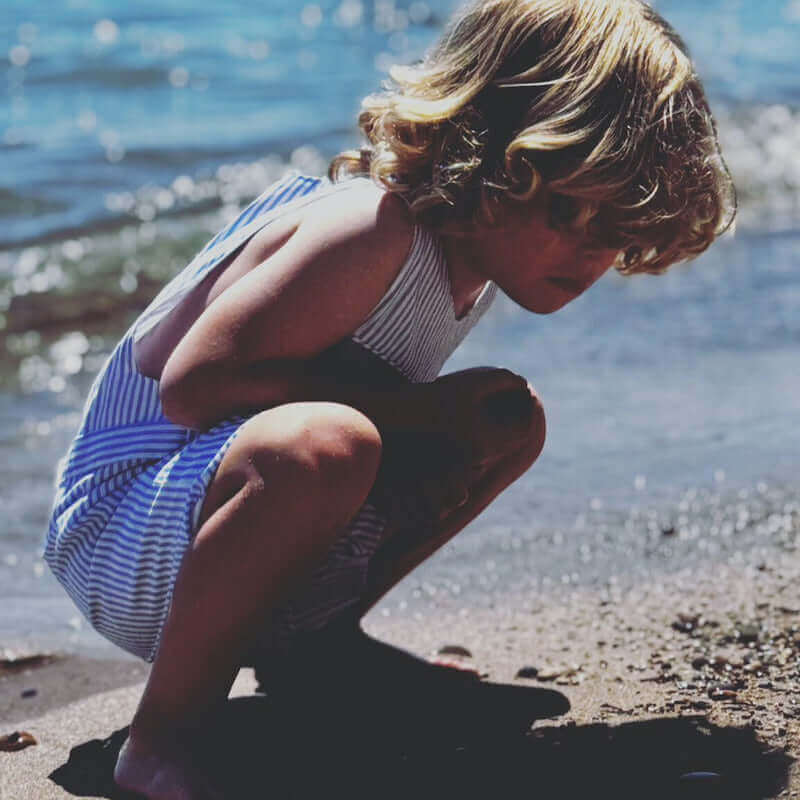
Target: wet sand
[(684, 687)]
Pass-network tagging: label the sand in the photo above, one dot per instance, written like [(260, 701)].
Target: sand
[(685, 687)]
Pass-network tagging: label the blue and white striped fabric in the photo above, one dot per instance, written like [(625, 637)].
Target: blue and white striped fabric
[(130, 488)]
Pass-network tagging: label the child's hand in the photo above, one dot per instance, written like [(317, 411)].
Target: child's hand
[(482, 415), (472, 420), (485, 412)]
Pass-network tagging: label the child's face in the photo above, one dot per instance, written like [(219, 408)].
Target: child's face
[(540, 268)]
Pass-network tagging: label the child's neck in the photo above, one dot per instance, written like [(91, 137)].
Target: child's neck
[(466, 281)]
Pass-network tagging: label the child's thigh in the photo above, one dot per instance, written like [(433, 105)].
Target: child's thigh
[(298, 451)]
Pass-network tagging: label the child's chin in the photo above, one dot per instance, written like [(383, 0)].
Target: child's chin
[(547, 304), (542, 297)]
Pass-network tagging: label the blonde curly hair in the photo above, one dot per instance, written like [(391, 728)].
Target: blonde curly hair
[(595, 101)]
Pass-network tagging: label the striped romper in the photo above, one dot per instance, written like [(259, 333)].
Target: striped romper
[(131, 486)]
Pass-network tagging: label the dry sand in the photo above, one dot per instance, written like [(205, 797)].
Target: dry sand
[(685, 688)]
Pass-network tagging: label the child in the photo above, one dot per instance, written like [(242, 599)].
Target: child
[(232, 481)]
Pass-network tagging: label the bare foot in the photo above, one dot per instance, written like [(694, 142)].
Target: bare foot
[(161, 773)]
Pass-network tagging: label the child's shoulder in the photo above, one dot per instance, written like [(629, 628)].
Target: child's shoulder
[(362, 218)]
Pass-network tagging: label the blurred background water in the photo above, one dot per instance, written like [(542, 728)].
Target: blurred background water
[(130, 132)]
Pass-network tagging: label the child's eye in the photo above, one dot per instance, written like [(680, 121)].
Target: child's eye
[(562, 211)]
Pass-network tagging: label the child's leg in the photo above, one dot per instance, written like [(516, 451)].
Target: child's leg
[(404, 551), (292, 479)]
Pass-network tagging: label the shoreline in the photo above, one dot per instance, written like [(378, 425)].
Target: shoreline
[(497, 560), (716, 647)]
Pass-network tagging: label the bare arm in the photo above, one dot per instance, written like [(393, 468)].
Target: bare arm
[(255, 346)]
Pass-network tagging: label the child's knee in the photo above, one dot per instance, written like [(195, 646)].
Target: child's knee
[(332, 448), (537, 430), (300, 454)]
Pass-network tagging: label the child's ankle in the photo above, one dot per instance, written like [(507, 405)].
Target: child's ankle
[(163, 735)]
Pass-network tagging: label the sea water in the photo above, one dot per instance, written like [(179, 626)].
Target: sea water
[(129, 133)]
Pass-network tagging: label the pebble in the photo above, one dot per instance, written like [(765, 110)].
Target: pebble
[(552, 674), (29, 692), (721, 694), (686, 623), (527, 672), (749, 633)]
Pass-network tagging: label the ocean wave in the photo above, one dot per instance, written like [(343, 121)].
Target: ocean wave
[(762, 149), (15, 204), (109, 76), (99, 274), (761, 146)]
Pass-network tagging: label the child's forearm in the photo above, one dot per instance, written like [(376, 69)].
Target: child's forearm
[(405, 407), (398, 407)]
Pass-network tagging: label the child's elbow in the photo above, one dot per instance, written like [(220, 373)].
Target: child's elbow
[(181, 402), (174, 405)]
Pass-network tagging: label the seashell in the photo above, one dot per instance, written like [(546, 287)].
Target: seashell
[(18, 740), (454, 650)]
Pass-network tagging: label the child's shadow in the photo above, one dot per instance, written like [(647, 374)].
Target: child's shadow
[(418, 731)]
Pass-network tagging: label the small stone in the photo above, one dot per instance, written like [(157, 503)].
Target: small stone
[(527, 672), (749, 633), (686, 623), (551, 674), (29, 693), (454, 650), (699, 662), (719, 663), (18, 740)]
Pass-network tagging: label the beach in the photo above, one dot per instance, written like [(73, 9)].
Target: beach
[(648, 649), (688, 687)]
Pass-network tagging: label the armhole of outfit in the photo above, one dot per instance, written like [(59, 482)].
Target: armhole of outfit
[(279, 198), (401, 284)]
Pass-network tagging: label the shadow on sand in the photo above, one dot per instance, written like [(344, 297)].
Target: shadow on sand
[(420, 731)]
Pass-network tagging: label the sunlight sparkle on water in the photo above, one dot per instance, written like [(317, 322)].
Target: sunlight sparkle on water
[(106, 31), (27, 32), (19, 55), (349, 13), (311, 16)]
